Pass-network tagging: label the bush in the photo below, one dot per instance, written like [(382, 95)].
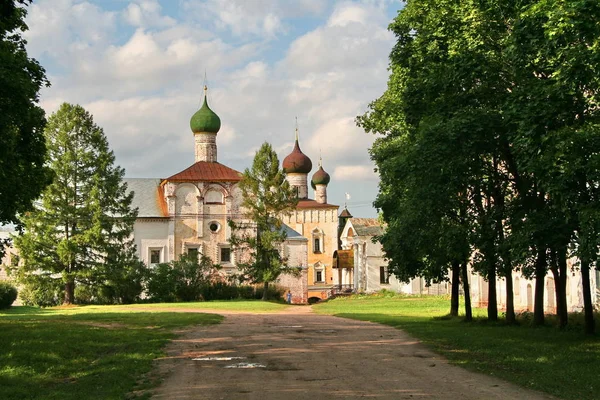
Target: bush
[(42, 292), (8, 294)]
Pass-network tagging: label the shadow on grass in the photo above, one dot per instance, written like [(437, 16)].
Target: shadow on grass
[(54, 355)]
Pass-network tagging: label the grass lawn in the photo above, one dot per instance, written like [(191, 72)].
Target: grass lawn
[(93, 352), (565, 363), (255, 306)]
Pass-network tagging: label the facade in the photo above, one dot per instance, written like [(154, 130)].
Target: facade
[(315, 219), (188, 212), (369, 274)]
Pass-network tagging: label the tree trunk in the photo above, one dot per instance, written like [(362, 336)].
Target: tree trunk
[(590, 326), (70, 292), (492, 307), (467, 290), (510, 300), (265, 291), (455, 288), (540, 275), (559, 270)]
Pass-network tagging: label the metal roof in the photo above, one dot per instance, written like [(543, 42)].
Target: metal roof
[(147, 197), (367, 226), (204, 171)]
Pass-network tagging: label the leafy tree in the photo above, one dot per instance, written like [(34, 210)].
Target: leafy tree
[(181, 280), (80, 233), (22, 148), (506, 95), (267, 196)]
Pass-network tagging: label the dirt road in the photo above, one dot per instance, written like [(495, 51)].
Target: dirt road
[(301, 355)]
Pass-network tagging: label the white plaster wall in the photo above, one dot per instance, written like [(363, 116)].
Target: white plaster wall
[(151, 234)]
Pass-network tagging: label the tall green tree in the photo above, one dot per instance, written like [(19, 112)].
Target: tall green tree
[(512, 88), (80, 233), (23, 174), (267, 197)]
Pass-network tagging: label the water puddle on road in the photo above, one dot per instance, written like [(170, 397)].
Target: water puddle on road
[(326, 331), (217, 358), (290, 326), (246, 365)]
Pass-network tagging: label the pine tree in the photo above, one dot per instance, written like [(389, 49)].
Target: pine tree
[(80, 232), (267, 196)]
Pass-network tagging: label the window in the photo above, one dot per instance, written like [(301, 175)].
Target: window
[(319, 276), (154, 256), (317, 245), (384, 277), (225, 254), (193, 251), (317, 238), (214, 227)]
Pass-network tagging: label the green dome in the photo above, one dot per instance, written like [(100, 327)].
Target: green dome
[(205, 120)]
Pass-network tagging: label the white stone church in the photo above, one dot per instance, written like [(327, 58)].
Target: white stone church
[(188, 213)]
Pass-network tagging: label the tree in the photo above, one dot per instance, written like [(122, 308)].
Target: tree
[(267, 196), (80, 232), (183, 279), (22, 147), (512, 89)]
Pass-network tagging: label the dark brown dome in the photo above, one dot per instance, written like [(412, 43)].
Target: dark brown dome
[(321, 177), (297, 162)]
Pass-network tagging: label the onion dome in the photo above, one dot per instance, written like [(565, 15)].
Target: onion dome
[(205, 120), (297, 161), (320, 177)]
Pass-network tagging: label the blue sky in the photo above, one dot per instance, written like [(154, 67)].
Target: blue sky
[(138, 66)]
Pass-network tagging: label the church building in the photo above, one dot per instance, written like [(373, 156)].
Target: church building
[(188, 213)]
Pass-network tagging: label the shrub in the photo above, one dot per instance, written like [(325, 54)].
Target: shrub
[(8, 294), (42, 292)]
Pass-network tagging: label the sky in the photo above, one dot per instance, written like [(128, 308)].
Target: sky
[(139, 67)]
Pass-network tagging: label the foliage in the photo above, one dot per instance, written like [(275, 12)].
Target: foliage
[(181, 280), (40, 291), (490, 141), (22, 147), (559, 362), (8, 294), (85, 352), (267, 196), (80, 233)]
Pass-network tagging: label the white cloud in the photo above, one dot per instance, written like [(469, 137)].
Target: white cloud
[(354, 173), (142, 84), (145, 14)]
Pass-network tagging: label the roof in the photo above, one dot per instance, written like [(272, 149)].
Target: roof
[(205, 171), (343, 259), (205, 120), (367, 226), (320, 177), (147, 197), (297, 162), (310, 203), (345, 214), (291, 234)]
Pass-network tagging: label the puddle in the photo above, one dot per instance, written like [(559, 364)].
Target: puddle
[(290, 326), (326, 331), (246, 365), (217, 358)]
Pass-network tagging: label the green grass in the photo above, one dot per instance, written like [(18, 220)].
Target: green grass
[(93, 352), (255, 306), (564, 363)]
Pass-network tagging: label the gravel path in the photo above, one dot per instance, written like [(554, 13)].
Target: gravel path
[(301, 355)]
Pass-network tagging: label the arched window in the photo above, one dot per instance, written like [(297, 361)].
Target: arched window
[(319, 273), (318, 244), (213, 197)]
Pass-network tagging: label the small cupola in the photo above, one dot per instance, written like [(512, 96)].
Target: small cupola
[(205, 120)]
